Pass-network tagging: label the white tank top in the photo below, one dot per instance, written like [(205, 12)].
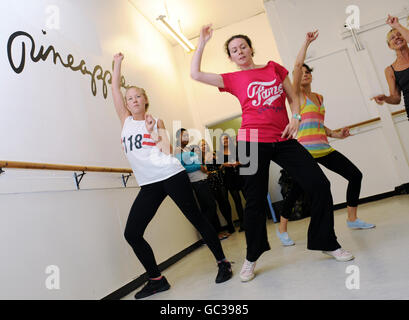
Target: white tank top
[(148, 163)]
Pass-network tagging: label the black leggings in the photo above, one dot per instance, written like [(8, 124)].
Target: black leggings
[(207, 203), (340, 164), (337, 162), (146, 204), (235, 194), (297, 161), (221, 196)]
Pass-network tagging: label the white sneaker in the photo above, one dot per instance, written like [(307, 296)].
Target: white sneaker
[(247, 271), (340, 255)]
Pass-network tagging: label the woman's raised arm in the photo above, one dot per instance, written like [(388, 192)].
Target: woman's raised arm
[(212, 79), (297, 73), (119, 103), (394, 23)]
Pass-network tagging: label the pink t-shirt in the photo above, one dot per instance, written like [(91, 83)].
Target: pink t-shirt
[(262, 98)]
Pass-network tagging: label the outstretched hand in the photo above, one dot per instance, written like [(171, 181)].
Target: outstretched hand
[(345, 133), (393, 21), (379, 99), (206, 33), (118, 57), (311, 36)]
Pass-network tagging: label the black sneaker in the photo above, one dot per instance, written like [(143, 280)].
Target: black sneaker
[(225, 272), (152, 287), (231, 230)]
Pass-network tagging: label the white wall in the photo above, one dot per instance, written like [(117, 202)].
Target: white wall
[(81, 232), (348, 79), (48, 114)]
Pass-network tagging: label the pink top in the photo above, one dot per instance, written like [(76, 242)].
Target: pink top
[(262, 98)]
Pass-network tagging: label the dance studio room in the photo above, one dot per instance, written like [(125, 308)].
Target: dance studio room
[(204, 150)]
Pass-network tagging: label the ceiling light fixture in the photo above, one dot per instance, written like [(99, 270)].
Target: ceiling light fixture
[(178, 36)]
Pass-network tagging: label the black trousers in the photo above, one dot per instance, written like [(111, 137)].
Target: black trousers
[(296, 160), (221, 196), (235, 194), (337, 162), (207, 203), (179, 188)]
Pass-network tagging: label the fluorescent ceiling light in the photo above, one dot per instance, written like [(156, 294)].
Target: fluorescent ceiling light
[(178, 36)]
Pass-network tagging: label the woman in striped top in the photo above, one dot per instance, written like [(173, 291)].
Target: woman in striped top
[(312, 134)]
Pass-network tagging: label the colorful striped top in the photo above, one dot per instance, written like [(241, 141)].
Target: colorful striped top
[(311, 133)]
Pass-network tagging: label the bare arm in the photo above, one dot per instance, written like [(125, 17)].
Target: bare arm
[(297, 73), (328, 132), (212, 79), (119, 103), (338, 134), (394, 91), (178, 150), (293, 99), (163, 141), (394, 23)]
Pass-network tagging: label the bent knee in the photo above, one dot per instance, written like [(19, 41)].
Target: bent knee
[(357, 176), (132, 236)]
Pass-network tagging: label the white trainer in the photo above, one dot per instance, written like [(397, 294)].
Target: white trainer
[(340, 255), (247, 271)]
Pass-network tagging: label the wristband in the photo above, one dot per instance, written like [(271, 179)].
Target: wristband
[(297, 116)]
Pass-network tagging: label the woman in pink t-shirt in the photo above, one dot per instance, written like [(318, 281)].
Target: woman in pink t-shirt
[(267, 135)]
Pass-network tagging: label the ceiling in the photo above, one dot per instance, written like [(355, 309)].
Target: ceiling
[(190, 15)]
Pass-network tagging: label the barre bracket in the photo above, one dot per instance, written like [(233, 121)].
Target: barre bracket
[(125, 179), (78, 178)]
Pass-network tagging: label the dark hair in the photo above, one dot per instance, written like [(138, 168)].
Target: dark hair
[(308, 67), (231, 143), (220, 151), (238, 36), (178, 134)]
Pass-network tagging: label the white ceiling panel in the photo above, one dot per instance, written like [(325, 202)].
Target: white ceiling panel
[(190, 15)]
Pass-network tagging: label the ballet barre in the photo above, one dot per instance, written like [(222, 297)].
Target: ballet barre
[(398, 112), (64, 167), (363, 123)]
